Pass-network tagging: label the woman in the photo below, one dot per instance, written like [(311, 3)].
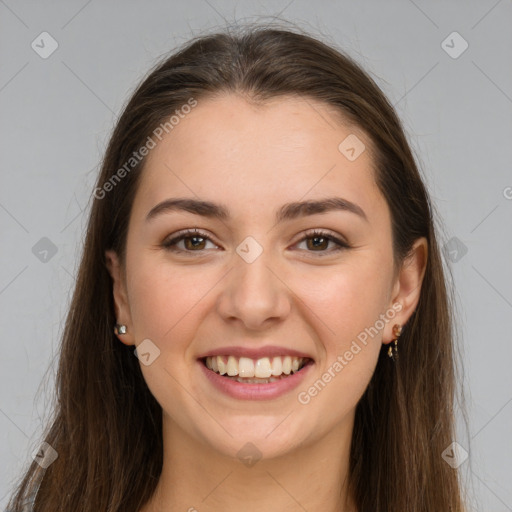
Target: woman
[(261, 319)]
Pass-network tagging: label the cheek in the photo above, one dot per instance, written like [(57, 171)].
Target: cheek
[(161, 290), (165, 302), (359, 321), (347, 308), (347, 299)]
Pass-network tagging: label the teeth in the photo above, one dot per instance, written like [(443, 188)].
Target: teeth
[(255, 381), (220, 364), (287, 365), (244, 368), (277, 366), (232, 366), (262, 368)]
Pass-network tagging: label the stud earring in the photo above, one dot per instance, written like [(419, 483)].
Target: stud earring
[(120, 329), (393, 351)]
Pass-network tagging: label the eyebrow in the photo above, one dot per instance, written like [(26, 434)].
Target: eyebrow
[(286, 212)]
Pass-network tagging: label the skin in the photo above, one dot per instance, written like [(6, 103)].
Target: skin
[(253, 159)]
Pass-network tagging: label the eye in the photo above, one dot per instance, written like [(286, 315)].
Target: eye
[(320, 239), (195, 240)]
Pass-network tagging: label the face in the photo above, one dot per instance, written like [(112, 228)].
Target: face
[(252, 286)]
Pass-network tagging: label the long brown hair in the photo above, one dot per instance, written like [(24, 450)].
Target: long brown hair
[(107, 425)]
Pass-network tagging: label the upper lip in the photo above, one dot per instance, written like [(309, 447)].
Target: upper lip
[(255, 353)]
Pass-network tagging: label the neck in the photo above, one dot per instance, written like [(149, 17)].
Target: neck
[(197, 478)]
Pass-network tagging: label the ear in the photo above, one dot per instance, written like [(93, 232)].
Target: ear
[(407, 288), (121, 304)]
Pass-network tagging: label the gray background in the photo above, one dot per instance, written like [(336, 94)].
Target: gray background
[(57, 113)]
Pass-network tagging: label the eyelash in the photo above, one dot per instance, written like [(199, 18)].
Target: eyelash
[(191, 233)]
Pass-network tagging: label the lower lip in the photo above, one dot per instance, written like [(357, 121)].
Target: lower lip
[(244, 391)]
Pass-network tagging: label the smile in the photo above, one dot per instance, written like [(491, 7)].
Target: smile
[(255, 371), (264, 378)]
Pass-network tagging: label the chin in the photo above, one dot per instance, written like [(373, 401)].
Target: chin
[(256, 437)]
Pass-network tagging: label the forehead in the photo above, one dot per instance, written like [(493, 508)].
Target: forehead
[(248, 156)]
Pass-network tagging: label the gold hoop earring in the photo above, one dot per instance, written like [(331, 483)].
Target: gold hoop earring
[(393, 351)]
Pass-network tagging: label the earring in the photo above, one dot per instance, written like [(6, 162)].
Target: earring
[(393, 352), (120, 329)]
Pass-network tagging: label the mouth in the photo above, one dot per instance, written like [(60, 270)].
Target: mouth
[(264, 370)]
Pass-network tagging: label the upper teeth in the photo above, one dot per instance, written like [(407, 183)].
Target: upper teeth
[(262, 368)]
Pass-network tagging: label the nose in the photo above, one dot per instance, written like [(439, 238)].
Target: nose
[(254, 294)]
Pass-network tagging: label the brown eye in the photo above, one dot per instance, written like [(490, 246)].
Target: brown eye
[(318, 241), (194, 241)]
